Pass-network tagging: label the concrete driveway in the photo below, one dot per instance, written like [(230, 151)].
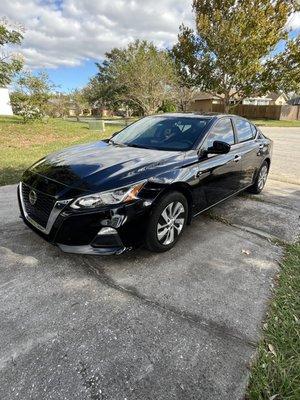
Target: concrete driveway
[(179, 325)]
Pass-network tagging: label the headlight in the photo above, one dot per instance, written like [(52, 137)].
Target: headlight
[(122, 195)]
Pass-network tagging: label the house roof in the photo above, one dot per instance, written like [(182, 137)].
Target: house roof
[(205, 96), (275, 95)]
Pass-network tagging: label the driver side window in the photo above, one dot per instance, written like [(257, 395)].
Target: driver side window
[(222, 131)]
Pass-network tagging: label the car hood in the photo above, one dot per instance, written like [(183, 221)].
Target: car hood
[(102, 166)]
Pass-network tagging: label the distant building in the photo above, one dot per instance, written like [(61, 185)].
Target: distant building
[(5, 106), (271, 99), (257, 101), (278, 99), (101, 111), (203, 102)]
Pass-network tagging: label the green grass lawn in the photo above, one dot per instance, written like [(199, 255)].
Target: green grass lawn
[(276, 371), (23, 144), (274, 122)]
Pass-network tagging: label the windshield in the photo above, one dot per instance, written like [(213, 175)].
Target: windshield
[(163, 133)]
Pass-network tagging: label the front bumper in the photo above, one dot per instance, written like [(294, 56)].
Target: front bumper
[(81, 232), (88, 249)]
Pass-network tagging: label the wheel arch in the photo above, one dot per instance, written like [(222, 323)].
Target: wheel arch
[(268, 161), (182, 188)]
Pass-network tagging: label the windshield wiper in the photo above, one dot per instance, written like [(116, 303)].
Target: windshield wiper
[(137, 146), (116, 143)]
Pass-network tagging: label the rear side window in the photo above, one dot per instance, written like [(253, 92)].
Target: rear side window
[(243, 129), (259, 134), (254, 130), (221, 131)]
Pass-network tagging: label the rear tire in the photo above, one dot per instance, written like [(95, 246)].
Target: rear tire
[(167, 222), (260, 179)]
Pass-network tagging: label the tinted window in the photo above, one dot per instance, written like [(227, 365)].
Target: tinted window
[(259, 134), (243, 129), (221, 131), (254, 130), (163, 133)]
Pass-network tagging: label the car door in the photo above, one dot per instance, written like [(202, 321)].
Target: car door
[(249, 148), (219, 174)]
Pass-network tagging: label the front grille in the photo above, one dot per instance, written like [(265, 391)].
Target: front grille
[(42, 208)]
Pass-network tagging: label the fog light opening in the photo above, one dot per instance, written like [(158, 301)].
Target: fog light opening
[(107, 231)]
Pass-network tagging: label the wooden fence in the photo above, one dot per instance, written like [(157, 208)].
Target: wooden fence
[(285, 112)]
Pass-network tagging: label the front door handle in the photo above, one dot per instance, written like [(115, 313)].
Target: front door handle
[(237, 158)]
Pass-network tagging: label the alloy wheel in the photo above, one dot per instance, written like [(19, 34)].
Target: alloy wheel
[(170, 223), (262, 177)]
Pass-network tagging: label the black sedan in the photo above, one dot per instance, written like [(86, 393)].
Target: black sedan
[(145, 184)]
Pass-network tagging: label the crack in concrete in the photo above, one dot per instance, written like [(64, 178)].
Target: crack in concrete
[(258, 232), (208, 325), (272, 203), (255, 231)]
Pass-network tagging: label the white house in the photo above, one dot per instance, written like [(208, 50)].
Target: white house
[(5, 107), (257, 101), (278, 99)]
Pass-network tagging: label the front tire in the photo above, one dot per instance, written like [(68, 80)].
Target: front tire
[(260, 179), (167, 222)]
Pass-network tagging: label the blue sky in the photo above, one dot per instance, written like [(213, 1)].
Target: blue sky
[(66, 37), (68, 78)]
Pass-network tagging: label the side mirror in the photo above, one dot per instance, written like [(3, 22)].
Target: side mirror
[(219, 147)]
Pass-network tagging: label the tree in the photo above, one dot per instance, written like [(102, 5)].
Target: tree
[(58, 105), (168, 106), (232, 50), (98, 93), (139, 76), (78, 102), (31, 95), (184, 95), (103, 93), (283, 70), (10, 63)]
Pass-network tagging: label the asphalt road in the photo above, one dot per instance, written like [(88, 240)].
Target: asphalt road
[(286, 157), (178, 325)]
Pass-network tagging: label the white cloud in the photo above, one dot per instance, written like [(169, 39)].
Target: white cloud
[(70, 32), (294, 22)]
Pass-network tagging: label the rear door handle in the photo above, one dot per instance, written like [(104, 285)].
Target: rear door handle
[(237, 158)]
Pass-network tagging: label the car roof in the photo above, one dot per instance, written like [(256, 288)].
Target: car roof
[(206, 115)]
